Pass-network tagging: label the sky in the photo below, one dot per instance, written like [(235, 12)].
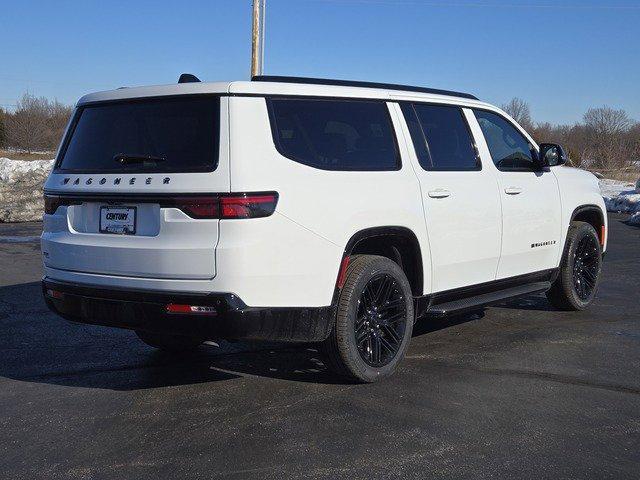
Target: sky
[(561, 56)]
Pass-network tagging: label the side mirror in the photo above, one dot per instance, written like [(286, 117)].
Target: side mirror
[(552, 154)]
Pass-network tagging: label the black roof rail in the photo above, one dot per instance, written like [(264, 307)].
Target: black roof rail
[(351, 83)]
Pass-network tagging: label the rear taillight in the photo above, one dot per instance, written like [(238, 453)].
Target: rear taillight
[(222, 206), (248, 205), (197, 207), (51, 204), (232, 206)]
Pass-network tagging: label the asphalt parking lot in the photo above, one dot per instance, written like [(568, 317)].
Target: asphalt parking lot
[(520, 391)]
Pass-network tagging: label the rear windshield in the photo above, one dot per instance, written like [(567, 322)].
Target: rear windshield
[(155, 135)]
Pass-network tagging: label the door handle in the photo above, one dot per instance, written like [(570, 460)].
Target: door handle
[(512, 190), (439, 193)]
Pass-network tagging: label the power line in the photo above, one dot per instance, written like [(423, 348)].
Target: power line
[(483, 5)]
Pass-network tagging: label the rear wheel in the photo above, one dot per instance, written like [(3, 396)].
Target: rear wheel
[(374, 320), (577, 283), (168, 342)]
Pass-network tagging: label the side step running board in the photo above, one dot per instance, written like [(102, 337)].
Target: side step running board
[(470, 303)]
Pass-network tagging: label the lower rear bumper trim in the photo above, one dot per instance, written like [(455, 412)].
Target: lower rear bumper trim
[(146, 310)]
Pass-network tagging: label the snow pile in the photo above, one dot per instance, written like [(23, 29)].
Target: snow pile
[(21, 184), (622, 197)]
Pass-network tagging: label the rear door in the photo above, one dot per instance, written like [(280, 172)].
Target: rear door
[(459, 196), (531, 210), (132, 190)]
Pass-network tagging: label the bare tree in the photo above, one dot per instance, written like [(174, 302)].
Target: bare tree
[(520, 111), (609, 141), (607, 121), (3, 128), (28, 124), (37, 123)]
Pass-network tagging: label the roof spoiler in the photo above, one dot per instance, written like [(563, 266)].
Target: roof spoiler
[(188, 78)]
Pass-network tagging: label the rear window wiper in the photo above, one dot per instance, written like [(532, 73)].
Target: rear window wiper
[(127, 158)]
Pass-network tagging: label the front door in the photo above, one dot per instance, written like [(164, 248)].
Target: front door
[(460, 197), (531, 211)]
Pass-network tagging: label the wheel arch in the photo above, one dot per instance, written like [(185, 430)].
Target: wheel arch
[(593, 215), (400, 244)]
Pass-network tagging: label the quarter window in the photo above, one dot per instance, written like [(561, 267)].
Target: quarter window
[(510, 150), (335, 134), (441, 137)]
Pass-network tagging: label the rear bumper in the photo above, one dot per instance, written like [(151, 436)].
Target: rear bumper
[(146, 310)]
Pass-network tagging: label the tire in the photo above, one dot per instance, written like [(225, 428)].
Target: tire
[(383, 323), (167, 342), (579, 277)]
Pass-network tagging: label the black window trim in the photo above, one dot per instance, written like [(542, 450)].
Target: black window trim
[(517, 128), (281, 151), (80, 108), (412, 103)]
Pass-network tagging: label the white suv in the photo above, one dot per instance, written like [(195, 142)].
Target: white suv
[(308, 210)]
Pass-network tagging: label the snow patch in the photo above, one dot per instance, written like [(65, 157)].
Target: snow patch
[(21, 183), (622, 197), (11, 170)]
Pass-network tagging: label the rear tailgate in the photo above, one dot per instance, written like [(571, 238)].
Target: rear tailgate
[(129, 195)]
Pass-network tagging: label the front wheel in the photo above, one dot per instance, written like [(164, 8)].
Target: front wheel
[(374, 320), (577, 283)]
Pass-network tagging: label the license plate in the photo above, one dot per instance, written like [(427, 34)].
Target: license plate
[(118, 220)]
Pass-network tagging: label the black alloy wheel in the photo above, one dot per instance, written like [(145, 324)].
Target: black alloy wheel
[(579, 273), (374, 320), (381, 320), (586, 266)]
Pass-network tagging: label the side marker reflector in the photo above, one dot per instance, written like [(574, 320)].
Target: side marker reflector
[(342, 274), (191, 309)]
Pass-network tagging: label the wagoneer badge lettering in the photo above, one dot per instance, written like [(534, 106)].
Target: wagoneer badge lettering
[(65, 181), (166, 180), (132, 181), (116, 181), (77, 181), (543, 244), (103, 181), (148, 181), (89, 181)]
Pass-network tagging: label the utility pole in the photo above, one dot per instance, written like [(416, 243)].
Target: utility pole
[(257, 37)]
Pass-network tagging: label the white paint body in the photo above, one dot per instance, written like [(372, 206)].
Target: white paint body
[(478, 232)]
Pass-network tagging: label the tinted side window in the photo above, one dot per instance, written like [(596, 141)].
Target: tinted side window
[(335, 134), (441, 137), (510, 150)]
